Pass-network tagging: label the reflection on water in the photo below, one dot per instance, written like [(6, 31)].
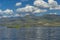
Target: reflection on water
[(33, 33)]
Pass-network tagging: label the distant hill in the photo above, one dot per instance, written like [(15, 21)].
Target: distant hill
[(31, 20)]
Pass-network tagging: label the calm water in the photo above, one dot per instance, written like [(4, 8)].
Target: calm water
[(33, 33)]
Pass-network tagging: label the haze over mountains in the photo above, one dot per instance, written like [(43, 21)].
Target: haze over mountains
[(31, 20)]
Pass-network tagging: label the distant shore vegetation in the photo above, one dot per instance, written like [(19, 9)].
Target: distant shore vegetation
[(31, 21)]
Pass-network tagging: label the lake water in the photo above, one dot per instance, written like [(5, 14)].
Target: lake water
[(32, 33)]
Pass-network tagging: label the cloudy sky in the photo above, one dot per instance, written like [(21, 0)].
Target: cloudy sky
[(9, 8)]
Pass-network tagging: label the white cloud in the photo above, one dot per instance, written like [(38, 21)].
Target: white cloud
[(55, 8), (38, 11), (17, 15), (50, 1), (41, 3), (51, 4), (30, 9), (53, 13), (4, 16), (18, 4), (8, 11), (1, 12)]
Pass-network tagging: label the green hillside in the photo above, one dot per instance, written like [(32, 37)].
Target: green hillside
[(31, 21)]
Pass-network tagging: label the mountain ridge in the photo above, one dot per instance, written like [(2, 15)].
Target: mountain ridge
[(28, 21)]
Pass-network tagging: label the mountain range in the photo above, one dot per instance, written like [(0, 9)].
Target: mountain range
[(31, 21)]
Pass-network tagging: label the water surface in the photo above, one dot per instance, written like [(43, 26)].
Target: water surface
[(32, 33)]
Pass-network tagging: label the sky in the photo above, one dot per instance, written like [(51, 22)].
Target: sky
[(9, 8)]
